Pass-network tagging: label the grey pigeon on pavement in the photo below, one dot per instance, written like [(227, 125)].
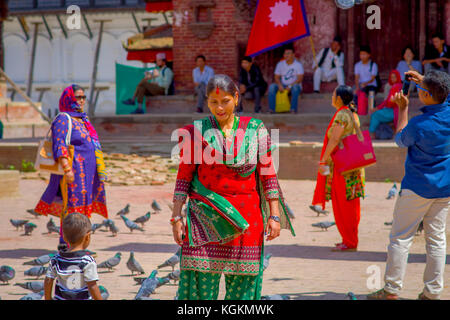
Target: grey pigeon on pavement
[(172, 261), (40, 261), (324, 225), (392, 192), (109, 224), (36, 271), (29, 227), (51, 226), (54, 229), (104, 293), (111, 262), (33, 296), (124, 211), (114, 229), (34, 213), (317, 209), (133, 265), (143, 219), (6, 273), (148, 286), (96, 226), (175, 275), (18, 223), (130, 224), (266, 261), (275, 297), (162, 281), (35, 286), (156, 206)]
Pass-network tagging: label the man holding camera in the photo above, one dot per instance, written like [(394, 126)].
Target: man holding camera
[(155, 83), (425, 190)]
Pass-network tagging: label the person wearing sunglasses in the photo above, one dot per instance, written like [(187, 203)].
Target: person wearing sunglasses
[(83, 189), (425, 190)]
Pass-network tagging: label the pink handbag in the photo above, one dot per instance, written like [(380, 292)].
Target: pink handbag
[(354, 152)]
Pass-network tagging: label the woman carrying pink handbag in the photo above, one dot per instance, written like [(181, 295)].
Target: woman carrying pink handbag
[(344, 190)]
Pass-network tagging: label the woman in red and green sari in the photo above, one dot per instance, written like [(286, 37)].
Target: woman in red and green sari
[(226, 169)]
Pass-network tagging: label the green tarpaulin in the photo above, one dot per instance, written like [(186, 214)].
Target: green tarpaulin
[(127, 79)]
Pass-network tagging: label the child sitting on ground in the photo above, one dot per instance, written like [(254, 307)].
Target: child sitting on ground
[(75, 270)]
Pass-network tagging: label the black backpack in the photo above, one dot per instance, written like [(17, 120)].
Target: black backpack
[(377, 78)]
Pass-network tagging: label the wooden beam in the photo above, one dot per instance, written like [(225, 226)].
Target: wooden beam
[(24, 95), (47, 27), (87, 26), (136, 22), (33, 56), (24, 27), (62, 26)]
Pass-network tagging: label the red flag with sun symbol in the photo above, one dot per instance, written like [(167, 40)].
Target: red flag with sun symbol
[(277, 22)]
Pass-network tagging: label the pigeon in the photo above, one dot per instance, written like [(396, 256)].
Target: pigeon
[(351, 296), (156, 206), (36, 271), (29, 227), (33, 296), (276, 297), (34, 213), (392, 192), (51, 225), (142, 220), (96, 226), (40, 261), (420, 228), (289, 212), (18, 223), (111, 262), (133, 265), (324, 225), (104, 293), (114, 229), (130, 224), (317, 209), (124, 211), (35, 286), (172, 261), (148, 286), (54, 229), (266, 261), (107, 223), (175, 276), (162, 281), (6, 273)]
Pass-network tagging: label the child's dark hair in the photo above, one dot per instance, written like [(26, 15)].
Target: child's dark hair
[(346, 94), (224, 83), (75, 226), (200, 56), (438, 83), (247, 58), (410, 48), (365, 48)]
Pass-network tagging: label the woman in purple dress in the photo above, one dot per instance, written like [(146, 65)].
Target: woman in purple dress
[(83, 189)]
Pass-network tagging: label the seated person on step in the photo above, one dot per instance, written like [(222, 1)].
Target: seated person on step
[(251, 83), (155, 83), (330, 65)]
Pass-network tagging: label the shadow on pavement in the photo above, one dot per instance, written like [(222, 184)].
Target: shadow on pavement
[(22, 253), (144, 247), (325, 253)]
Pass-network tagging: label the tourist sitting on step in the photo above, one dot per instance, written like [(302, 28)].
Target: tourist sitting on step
[(201, 75), (366, 79), (437, 55), (387, 111), (330, 66), (155, 83), (288, 76), (251, 83)]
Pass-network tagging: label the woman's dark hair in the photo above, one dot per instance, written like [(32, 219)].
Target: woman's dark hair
[(247, 58), (76, 87), (410, 48), (200, 56), (346, 94), (224, 83)]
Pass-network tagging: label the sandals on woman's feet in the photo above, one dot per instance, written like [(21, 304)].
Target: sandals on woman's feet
[(340, 247)]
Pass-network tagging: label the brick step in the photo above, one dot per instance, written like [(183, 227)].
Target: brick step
[(25, 129), (16, 111)]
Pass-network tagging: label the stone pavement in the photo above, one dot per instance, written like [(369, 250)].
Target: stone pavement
[(302, 267)]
